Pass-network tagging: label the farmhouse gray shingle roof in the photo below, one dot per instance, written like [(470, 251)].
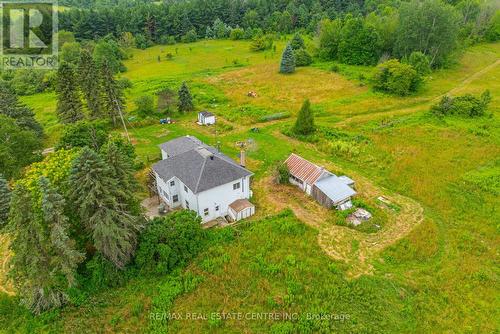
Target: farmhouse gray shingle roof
[(200, 167)]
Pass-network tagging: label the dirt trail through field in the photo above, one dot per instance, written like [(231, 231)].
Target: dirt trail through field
[(337, 241), (425, 104)]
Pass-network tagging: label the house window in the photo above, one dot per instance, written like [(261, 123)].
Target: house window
[(216, 208), (172, 183), (205, 212), (187, 205), (165, 194), (175, 198), (236, 186), (185, 189)]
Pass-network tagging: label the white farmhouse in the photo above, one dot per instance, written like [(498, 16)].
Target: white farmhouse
[(195, 176), (206, 118)]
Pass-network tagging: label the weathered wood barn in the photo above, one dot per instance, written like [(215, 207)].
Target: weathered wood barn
[(325, 187)]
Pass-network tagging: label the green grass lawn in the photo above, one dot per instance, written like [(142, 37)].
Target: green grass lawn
[(443, 277)]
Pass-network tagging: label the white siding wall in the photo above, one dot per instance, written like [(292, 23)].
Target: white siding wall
[(220, 196)]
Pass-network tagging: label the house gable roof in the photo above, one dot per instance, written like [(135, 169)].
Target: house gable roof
[(304, 169), (200, 168), (182, 145)]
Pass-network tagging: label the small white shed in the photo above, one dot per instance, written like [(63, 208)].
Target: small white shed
[(206, 118), (241, 209)]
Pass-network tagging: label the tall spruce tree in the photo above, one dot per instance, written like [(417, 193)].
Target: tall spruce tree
[(287, 61), (122, 170), (69, 105), (185, 99), (45, 259), (113, 100), (22, 115), (90, 82), (97, 195), (4, 201), (304, 125)]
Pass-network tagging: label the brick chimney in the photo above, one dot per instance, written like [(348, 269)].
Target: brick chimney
[(242, 158)]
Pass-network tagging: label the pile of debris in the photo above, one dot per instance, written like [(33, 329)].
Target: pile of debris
[(359, 216)]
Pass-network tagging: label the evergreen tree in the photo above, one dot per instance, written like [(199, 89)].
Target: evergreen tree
[(287, 61), (122, 170), (45, 260), (69, 105), (113, 93), (97, 195), (185, 99), (297, 42), (4, 201), (90, 84), (22, 115), (305, 120)]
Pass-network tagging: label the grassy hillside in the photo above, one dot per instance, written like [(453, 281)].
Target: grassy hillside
[(441, 277)]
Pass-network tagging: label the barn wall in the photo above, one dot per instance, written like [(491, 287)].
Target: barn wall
[(320, 196)]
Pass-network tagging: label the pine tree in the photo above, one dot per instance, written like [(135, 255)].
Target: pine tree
[(287, 61), (4, 201), (113, 93), (297, 42), (185, 99), (305, 120), (22, 115), (121, 168), (69, 105), (90, 84), (97, 196), (45, 260)]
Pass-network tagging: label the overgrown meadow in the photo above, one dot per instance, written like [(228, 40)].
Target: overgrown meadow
[(442, 277)]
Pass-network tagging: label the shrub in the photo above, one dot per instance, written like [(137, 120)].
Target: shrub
[(84, 133), (282, 173), (302, 58), (396, 78), (190, 37), (169, 242), (237, 34), (420, 63), (145, 105), (465, 105), (261, 43)]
